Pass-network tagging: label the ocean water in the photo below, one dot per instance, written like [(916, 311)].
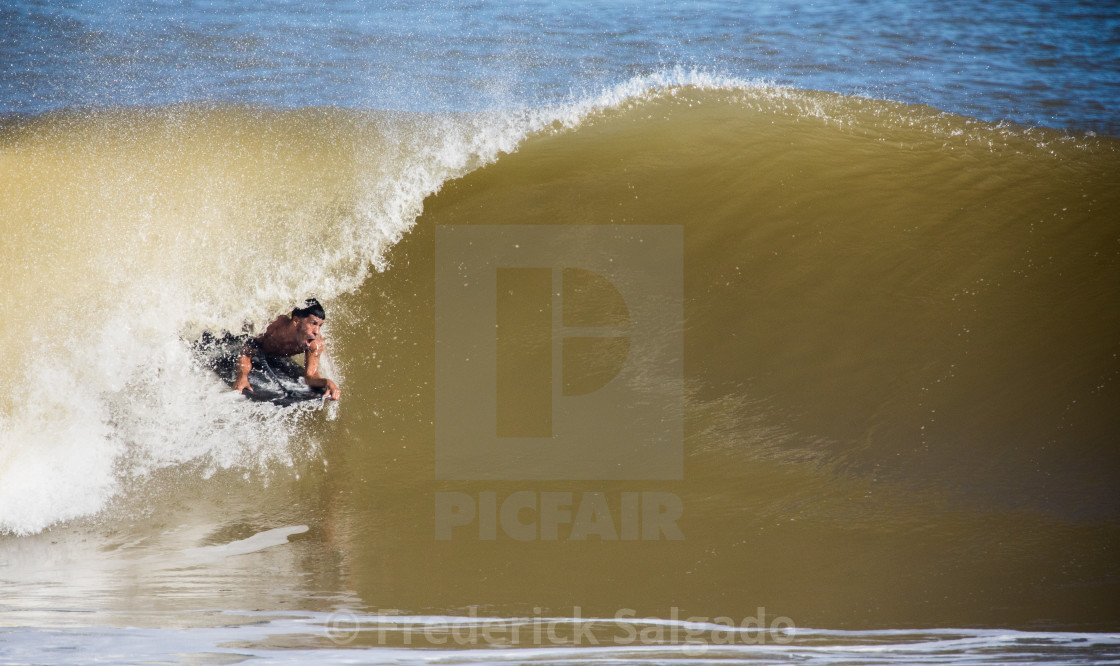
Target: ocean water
[(673, 332)]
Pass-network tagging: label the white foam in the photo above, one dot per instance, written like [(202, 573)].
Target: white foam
[(255, 543), (345, 637)]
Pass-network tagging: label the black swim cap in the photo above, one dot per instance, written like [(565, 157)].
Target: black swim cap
[(310, 307)]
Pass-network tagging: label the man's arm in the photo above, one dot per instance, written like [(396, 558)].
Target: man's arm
[(244, 365), (311, 371)]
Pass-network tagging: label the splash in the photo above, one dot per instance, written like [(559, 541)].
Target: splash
[(129, 232)]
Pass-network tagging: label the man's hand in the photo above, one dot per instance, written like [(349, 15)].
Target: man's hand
[(244, 365), (311, 371)]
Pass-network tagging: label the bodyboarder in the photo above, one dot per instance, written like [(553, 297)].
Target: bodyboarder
[(289, 335)]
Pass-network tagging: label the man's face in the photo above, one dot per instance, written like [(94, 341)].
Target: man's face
[(307, 329)]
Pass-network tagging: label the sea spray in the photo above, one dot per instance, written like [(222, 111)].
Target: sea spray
[(129, 232), (132, 231)]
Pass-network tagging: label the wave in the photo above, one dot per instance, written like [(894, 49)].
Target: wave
[(130, 231)]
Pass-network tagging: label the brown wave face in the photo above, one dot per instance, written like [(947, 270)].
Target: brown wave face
[(708, 354), (896, 369)]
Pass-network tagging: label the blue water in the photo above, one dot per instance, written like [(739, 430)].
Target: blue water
[(1037, 62)]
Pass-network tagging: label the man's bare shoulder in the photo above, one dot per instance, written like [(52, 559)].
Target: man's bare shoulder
[(277, 325)]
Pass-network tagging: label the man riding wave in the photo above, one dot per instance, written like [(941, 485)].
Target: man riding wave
[(288, 336)]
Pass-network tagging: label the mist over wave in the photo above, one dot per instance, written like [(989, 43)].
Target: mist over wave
[(132, 231)]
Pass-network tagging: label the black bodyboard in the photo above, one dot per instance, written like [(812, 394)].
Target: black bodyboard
[(274, 379)]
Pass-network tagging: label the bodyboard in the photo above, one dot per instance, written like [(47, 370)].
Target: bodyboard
[(274, 379)]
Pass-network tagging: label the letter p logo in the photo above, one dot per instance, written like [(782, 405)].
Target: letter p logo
[(558, 352), (525, 340)]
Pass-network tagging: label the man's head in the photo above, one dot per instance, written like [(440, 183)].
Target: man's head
[(309, 308), (307, 319)]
